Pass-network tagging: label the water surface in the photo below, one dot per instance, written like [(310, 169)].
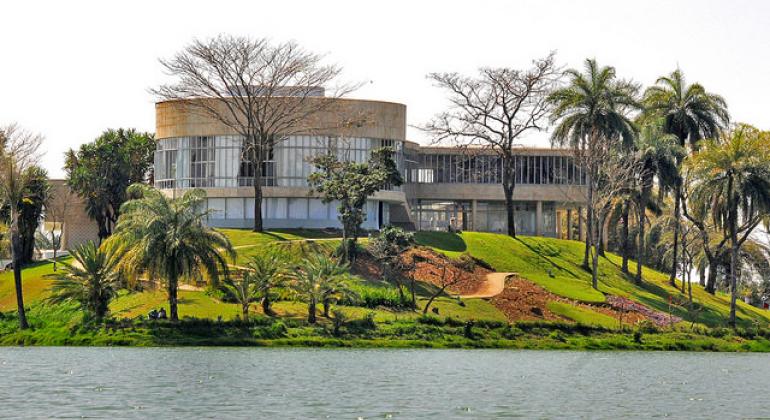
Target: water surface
[(351, 384)]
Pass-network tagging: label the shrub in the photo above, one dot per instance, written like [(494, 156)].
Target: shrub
[(338, 321), (366, 323), (373, 297)]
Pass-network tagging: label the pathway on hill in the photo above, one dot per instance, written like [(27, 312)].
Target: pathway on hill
[(493, 285)]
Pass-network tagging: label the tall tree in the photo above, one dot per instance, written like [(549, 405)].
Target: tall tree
[(264, 92), (734, 176), (18, 153), (100, 171), (691, 114), (351, 184), (30, 209), (493, 111), (658, 154), (593, 117), (167, 238)]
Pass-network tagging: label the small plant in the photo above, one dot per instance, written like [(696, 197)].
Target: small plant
[(338, 321), (558, 336), (638, 336), (468, 330)]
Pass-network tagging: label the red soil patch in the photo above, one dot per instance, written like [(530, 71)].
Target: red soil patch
[(522, 300), (428, 266)]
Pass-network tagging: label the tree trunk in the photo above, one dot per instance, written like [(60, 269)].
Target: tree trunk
[(640, 244), (172, 298), (702, 275), (733, 221), (266, 304), (54, 245), (677, 228), (711, 280), (326, 305), (311, 318), (509, 184), (432, 298), (245, 310), (589, 223), (258, 226), (624, 236), (16, 256)]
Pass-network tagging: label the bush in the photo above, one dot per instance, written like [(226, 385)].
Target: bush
[(366, 323), (373, 297)]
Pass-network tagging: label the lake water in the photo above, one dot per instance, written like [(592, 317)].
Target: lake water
[(189, 383)]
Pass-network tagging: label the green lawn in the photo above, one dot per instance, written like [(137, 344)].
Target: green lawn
[(34, 284), (582, 315), (555, 265), (552, 263)]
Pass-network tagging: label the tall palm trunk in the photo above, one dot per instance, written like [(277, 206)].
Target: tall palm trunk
[(733, 221), (677, 228), (311, 307), (589, 222), (173, 286), (624, 236), (16, 250), (640, 243), (245, 310)]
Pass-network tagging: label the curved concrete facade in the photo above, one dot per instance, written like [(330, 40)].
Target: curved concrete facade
[(196, 150)]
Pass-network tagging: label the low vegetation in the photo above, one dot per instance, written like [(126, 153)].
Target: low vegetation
[(368, 312)]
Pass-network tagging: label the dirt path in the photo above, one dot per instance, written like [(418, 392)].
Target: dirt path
[(493, 285)]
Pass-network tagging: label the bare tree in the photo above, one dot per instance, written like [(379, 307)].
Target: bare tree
[(18, 152), (264, 92), (492, 111), (445, 280), (615, 178), (56, 210)]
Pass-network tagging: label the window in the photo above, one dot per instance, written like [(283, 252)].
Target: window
[(202, 161)]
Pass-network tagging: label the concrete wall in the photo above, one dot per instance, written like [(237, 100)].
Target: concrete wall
[(70, 216), (381, 120)]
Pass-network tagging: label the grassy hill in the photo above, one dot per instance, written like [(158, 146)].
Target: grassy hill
[(554, 264), (551, 263)]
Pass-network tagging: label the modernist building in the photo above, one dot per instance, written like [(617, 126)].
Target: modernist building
[(444, 186)]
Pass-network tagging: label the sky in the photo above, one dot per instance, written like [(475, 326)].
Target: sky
[(70, 70)]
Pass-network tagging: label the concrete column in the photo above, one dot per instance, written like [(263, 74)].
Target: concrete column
[(539, 218), (569, 223), (580, 223), (474, 217)]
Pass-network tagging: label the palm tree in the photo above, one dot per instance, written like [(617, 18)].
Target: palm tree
[(318, 280), (18, 156), (241, 290), (592, 116), (734, 176), (657, 154), (267, 271), (167, 238), (92, 280), (691, 114)]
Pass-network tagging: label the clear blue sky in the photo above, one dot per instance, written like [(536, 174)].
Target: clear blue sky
[(72, 69)]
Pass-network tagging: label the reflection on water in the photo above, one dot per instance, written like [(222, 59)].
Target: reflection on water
[(350, 384)]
